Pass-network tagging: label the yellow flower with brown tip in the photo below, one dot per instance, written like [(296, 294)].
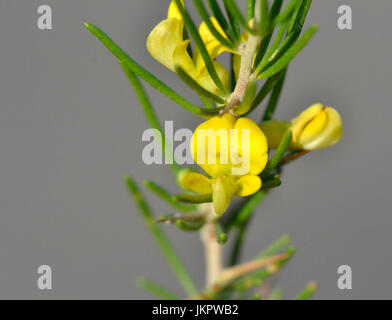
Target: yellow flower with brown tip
[(166, 44), (316, 127), (233, 152)]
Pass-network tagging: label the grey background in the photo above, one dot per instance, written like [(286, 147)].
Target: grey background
[(70, 128)]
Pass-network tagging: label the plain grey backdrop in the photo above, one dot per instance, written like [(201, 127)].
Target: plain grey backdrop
[(71, 127)]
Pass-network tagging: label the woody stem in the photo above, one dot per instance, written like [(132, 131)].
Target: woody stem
[(245, 75), (212, 249)]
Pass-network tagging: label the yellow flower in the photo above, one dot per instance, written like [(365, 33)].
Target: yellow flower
[(316, 127), (233, 152), (166, 44)]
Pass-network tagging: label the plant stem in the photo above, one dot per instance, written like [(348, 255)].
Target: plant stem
[(245, 73), (212, 249)]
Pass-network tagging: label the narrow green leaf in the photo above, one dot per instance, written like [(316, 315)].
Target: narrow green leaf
[(124, 59), (275, 9), (156, 289), (274, 99), (168, 197), (250, 9), (241, 220), (247, 209), (262, 49), (149, 111), (266, 88), (307, 292), (301, 14), (278, 39), (164, 244), (290, 54), (286, 14), (264, 18), (233, 80), (218, 14), (206, 18), (275, 247), (197, 87), (199, 43), (234, 25), (232, 7), (272, 56), (279, 153), (193, 198)]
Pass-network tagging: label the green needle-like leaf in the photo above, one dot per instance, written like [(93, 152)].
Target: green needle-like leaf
[(206, 18), (278, 39), (274, 99), (290, 54), (241, 220), (148, 110), (272, 56), (199, 43), (197, 87), (264, 91), (168, 197), (232, 7), (287, 12), (247, 209), (250, 9), (275, 247), (175, 263), (307, 292), (234, 25), (279, 153), (144, 74), (264, 18), (218, 14), (156, 289), (301, 14)]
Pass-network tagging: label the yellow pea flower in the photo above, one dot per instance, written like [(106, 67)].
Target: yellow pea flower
[(316, 127), (166, 44), (233, 152)]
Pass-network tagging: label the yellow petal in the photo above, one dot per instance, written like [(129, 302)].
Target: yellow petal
[(214, 47), (330, 135), (173, 11), (223, 190), (210, 139), (248, 185), (182, 58), (317, 127), (197, 182), (164, 39), (257, 148), (304, 118)]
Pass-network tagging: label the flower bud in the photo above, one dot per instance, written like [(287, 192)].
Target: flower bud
[(316, 127)]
